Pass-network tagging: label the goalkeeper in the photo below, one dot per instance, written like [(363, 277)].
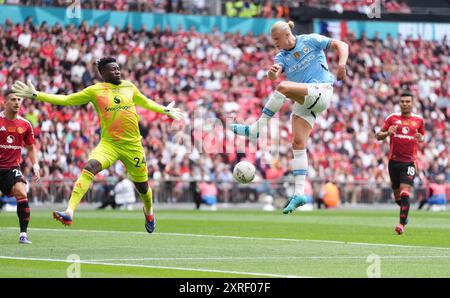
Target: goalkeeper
[(115, 101)]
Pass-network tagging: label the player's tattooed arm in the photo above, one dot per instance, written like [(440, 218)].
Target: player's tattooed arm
[(384, 134), (343, 51)]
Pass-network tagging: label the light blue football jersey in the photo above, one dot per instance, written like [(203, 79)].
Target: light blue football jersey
[(306, 62)]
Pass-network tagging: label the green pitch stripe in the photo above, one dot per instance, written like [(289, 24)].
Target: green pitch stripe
[(237, 237), (152, 266)]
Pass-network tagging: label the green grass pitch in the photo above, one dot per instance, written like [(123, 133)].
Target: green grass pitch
[(230, 243)]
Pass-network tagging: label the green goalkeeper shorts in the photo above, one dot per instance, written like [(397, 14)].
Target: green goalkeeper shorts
[(131, 155)]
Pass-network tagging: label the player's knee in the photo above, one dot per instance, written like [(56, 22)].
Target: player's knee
[(299, 143), (283, 87), (93, 166), (142, 187), (405, 191), (19, 190)]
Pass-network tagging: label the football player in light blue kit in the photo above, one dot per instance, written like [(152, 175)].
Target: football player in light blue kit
[(309, 84)]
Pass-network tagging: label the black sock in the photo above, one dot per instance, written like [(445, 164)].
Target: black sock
[(422, 203), (404, 209), (23, 212)]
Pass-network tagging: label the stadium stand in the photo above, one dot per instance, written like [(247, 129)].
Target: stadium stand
[(253, 8), (397, 6), (156, 6)]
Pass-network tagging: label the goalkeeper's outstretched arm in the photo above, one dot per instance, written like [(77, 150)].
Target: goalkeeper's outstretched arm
[(151, 105), (28, 91)]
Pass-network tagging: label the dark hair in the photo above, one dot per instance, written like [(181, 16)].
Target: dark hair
[(406, 93), (102, 62), (7, 92)]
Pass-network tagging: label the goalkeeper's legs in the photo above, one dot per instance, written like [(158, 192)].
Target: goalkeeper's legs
[(79, 190), (146, 195)]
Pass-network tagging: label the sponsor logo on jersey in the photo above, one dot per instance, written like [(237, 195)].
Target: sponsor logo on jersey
[(302, 64), (404, 137), (115, 109), (10, 139), (10, 147)]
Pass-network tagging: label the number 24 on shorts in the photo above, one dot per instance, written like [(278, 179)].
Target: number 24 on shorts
[(139, 162)]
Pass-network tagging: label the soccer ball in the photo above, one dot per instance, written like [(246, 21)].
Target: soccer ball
[(244, 172)]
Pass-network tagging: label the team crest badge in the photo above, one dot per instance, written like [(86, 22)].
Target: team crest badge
[(306, 50), (297, 55), (20, 130)]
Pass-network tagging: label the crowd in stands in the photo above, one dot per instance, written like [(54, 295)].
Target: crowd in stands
[(231, 8), (257, 8), (392, 6), (155, 6), (216, 77)]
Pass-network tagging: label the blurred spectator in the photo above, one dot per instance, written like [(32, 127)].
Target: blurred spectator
[(329, 196), (436, 195), (242, 9), (309, 192), (208, 192), (124, 193)]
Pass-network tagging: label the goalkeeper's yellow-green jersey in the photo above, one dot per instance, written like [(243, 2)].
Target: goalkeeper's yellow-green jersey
[(115, 105)]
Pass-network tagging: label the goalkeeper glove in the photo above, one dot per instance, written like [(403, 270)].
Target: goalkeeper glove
[(172, 112), (22, 90)]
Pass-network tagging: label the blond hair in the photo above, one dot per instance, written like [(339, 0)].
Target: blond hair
[(282, 26)]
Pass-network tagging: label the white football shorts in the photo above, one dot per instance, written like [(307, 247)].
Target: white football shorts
[(317, 101)]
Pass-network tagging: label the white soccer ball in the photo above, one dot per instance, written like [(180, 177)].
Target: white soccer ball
[(244, 172)]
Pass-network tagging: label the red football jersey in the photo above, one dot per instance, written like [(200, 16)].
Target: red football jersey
[(404, 142), (14, 135)]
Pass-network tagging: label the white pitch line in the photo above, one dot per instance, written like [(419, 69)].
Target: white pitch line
[(269, 258), (238, 237), (154, 267)]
